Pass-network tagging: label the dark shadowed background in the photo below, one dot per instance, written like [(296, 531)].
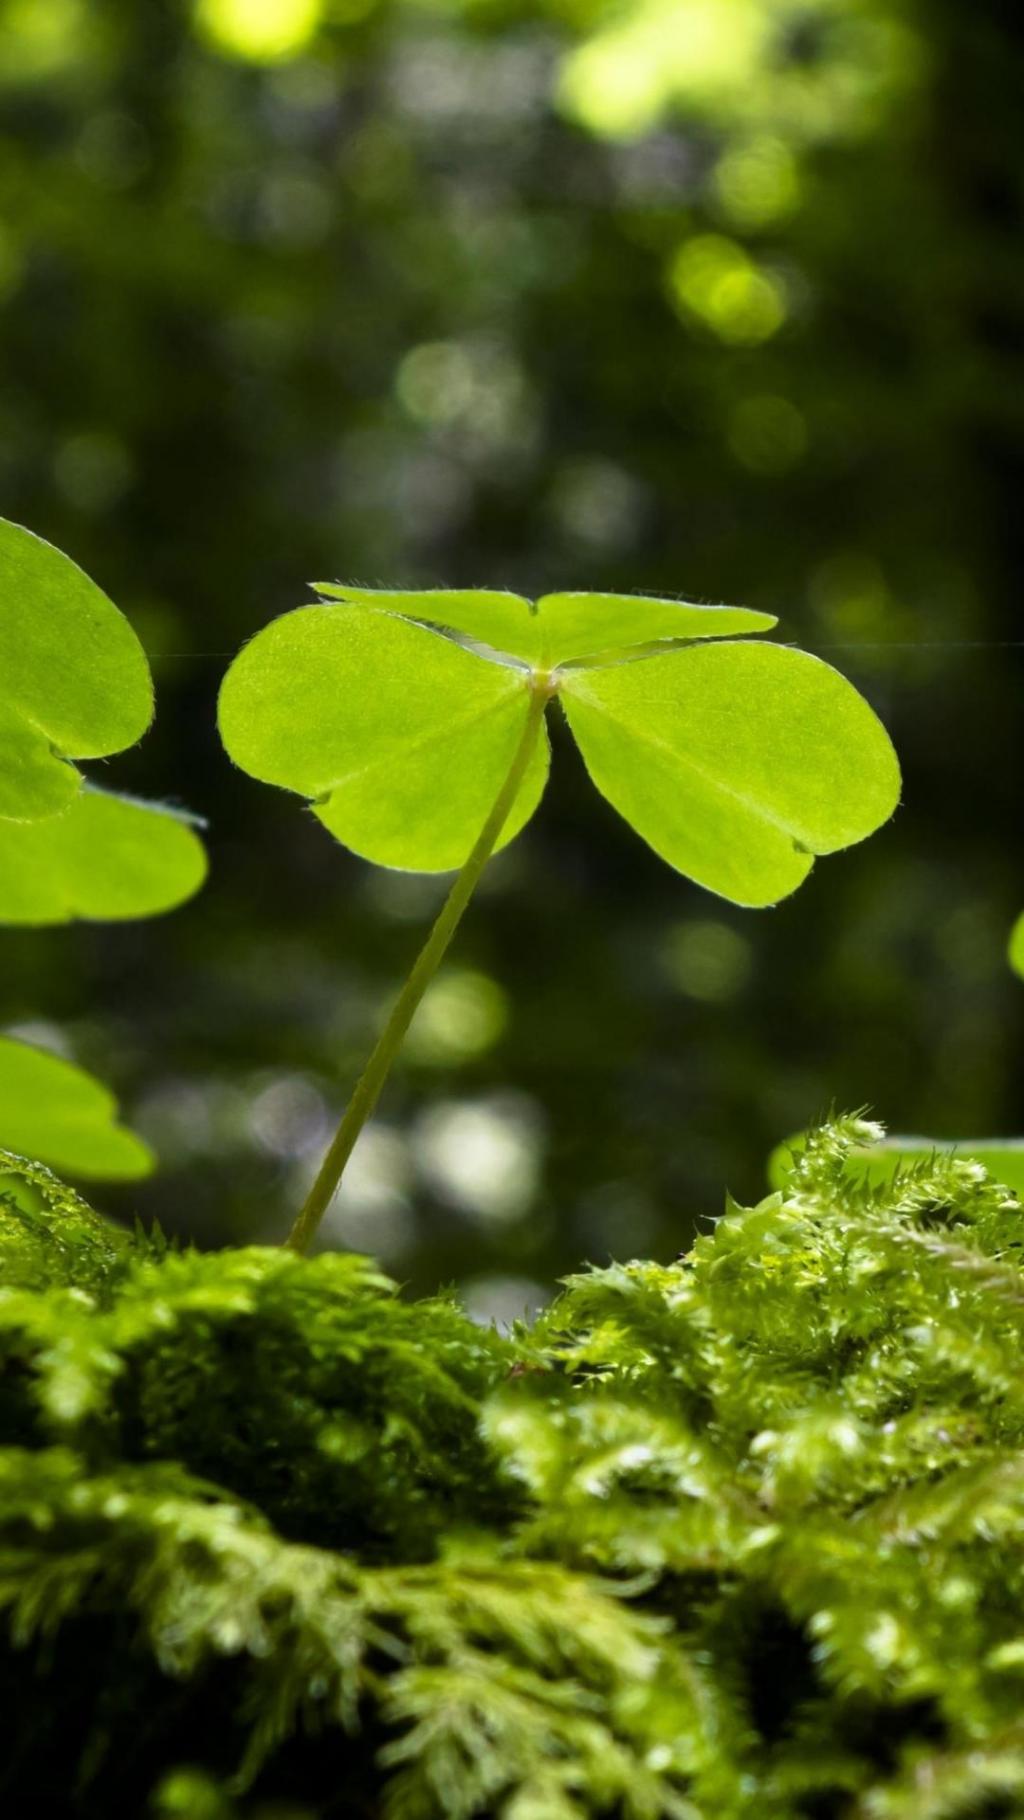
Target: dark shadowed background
[(722, 298)]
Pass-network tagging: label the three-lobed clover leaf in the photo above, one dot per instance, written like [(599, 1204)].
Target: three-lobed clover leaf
[(736, 760), (74, 681), (105, 859), (56, 1113)]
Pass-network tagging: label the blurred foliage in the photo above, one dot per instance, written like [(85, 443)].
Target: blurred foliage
[(717, 297)]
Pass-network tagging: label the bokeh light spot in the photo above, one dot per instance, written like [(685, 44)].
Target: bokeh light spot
[(756, 182), (462, 1015), (482, 1156), (850, 596), (259, 31), (767, 434), (475, 389), (39, 38), (288, 1117), (713, 279), (372, 1211), (619, 82), (502, 1301), (93, 470), (707, 960), (597, 503), (435, 382), (810, 70)]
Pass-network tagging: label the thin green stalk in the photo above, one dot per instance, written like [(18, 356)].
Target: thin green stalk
[(368, 1088)]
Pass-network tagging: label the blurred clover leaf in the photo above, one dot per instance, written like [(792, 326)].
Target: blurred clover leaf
[(890, 1156), (75, 684), (415, 724), (56, 1113), (736, 760), (74, 681), (106, 858), (1015, 952)]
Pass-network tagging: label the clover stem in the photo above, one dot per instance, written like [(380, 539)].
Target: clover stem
[(368, 1088)]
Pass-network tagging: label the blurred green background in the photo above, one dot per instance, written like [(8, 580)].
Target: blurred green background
[(721, 298)]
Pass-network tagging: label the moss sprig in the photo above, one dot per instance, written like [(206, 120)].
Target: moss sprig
[(735, 1536)]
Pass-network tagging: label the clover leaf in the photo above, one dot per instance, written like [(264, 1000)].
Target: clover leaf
[(58, 1114), (558, 628), (1015, 950), (106, 858), (74, 681), (737, 761), (400, 736)]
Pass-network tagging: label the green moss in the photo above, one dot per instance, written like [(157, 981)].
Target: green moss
[(739, 1536)]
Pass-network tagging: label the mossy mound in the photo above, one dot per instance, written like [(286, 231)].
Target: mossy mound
[(741, 1536)]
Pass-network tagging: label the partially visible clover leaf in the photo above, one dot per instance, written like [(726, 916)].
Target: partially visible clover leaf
[(74, 681), (56, 1113), (505, 622), (878, 1163), (558, 628), (74, 684), (1015, 952), (106, 858), (737, 761), (400, 736)]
